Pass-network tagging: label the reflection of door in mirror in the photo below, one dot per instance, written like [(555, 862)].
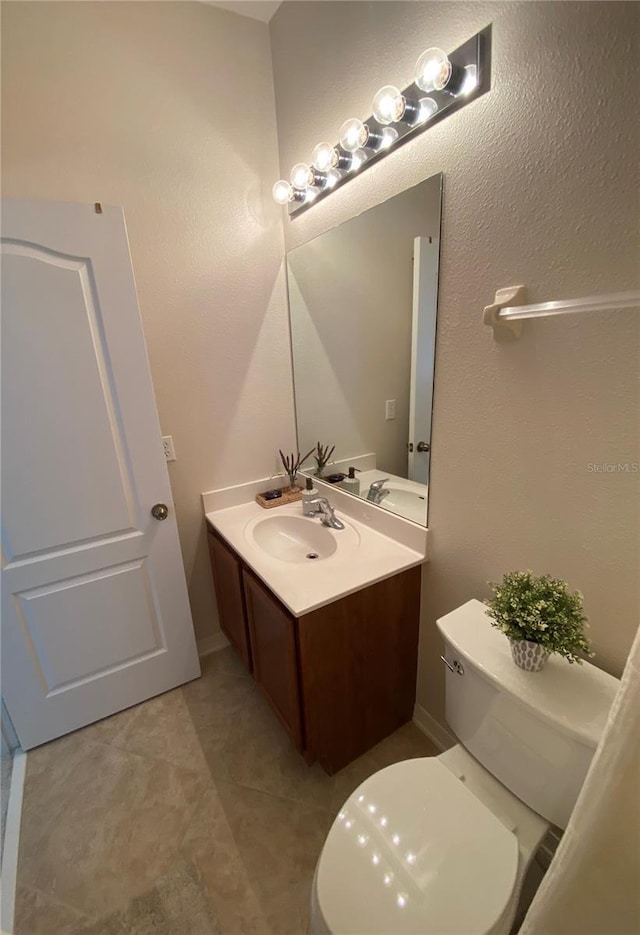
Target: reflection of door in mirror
[(423, 336), (362, 300)]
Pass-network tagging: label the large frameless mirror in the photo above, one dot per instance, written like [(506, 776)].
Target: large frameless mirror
[(363, 303)]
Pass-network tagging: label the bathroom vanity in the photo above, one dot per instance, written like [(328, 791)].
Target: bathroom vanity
[(332, 643)]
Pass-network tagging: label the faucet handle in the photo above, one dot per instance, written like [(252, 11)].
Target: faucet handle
[(326, 512), (319, 502), (377, 484)]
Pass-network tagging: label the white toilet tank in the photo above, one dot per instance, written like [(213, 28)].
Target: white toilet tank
[(534, 731)]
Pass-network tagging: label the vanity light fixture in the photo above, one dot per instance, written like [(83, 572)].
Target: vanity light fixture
[(441, 85)]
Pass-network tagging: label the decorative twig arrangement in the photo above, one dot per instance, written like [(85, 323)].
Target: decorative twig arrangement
[(322, 457), (292, 464)]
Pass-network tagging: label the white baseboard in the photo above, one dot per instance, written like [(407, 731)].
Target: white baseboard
[(12, 842), (433, 729), (211, 644)]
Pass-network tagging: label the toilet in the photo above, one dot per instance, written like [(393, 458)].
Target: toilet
[(441, 845)]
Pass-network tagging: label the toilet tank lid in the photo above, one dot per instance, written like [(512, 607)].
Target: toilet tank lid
[(575, 699)]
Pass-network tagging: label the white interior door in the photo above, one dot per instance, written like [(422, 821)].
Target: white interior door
[(95, 614), (423, 332)]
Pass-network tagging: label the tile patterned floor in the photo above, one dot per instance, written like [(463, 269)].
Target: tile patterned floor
[(190, 814)]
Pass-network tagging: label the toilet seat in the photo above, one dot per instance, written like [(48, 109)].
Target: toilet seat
[(414, 851)]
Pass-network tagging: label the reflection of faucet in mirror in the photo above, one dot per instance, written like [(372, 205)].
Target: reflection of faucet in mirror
[(322, 508), (376, 493)]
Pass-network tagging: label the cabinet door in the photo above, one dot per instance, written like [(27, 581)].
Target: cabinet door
[(273, 643), (358, 659), (227, 574)]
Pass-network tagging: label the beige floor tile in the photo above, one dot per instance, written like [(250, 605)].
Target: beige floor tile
[(142, 916), (210, 846), (407, 743), (256, 854), (164, 729), (223, 664), (174, 906), (110, 728), (259, 754), (183, 901), (99, 824), (280, 844), (37, 914), (216, 701)]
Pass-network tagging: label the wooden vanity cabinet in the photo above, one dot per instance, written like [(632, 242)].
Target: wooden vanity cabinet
[(358, 667), (275, 658), (227, 574), (340, 678)]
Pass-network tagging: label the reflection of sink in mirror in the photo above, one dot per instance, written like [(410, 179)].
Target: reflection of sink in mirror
[(406, 502), (362, 303), (405, 497), (299, 539)]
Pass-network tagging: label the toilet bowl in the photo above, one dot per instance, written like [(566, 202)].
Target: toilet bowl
[(435, 846), (442, 845)]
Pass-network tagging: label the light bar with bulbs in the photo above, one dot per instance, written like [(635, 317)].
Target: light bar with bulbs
[(441, 85)]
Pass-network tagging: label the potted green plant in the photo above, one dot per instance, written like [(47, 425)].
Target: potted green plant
[(540, 616)]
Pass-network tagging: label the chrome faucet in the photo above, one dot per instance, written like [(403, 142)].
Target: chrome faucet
[(322, 507), (375, 493)]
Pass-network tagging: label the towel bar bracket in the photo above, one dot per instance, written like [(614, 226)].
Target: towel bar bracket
[(504, 329)]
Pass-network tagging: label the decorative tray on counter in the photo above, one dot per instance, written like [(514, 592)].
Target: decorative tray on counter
[(288, 495)]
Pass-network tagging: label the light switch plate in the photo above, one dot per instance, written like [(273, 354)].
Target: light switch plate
[(390, 409), (169, 450)]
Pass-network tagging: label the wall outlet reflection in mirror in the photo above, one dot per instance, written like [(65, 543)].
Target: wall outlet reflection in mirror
[(363, 303)]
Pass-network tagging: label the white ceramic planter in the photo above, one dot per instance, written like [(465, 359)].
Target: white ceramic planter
[(528, 655)]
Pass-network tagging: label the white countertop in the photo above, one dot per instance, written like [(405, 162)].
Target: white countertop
[(363, 557)]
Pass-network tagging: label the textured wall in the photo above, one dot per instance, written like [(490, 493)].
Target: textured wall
[(351, 297), (137, 104), (541, 188)]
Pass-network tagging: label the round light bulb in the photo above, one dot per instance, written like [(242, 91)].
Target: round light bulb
[(388, 105), (301, 175), (428, 107), (433, 70), (282, 192), (353, 135), (324, 157)]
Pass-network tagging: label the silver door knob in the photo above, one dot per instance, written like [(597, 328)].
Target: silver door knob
[(160, 511), (423, 446)]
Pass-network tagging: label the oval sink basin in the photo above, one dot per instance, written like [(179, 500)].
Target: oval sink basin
[(294, 539)]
